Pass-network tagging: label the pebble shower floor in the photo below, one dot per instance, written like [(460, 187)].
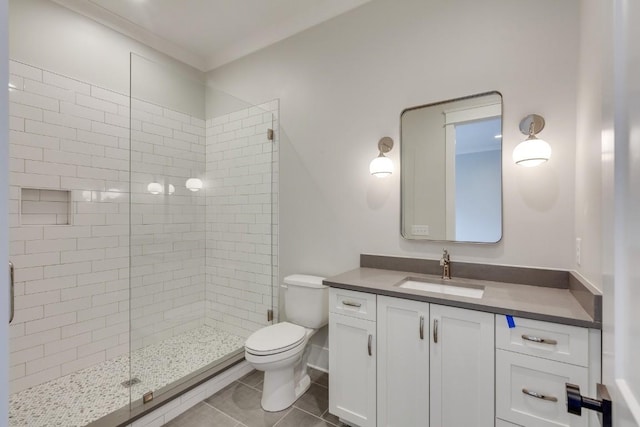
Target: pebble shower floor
[(87, 395)]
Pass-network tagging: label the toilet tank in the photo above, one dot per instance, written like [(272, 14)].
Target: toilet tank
[(306, 300)]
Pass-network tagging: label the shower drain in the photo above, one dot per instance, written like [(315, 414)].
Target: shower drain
[(132, 381)]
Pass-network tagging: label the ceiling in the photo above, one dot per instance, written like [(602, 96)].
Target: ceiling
[(208, 33)]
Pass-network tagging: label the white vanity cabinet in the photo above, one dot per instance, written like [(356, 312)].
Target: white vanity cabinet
[(398, 362), (435, 364), (352, 358)]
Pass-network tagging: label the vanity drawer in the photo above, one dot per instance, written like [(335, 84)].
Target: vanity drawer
[(564, 343), (352, 303), (530, 391)]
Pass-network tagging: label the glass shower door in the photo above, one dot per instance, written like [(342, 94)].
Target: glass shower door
[(202, 209)]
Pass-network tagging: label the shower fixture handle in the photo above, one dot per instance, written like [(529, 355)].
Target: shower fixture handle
[(11, 292)]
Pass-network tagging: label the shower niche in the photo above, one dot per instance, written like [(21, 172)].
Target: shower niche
[(45, 207)]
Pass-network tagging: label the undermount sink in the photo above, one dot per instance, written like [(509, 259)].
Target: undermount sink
[(468, 291)]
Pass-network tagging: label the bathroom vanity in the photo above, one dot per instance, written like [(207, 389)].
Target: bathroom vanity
[(463, 352)]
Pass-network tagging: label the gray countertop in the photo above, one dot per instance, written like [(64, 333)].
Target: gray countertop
[(533, 302)]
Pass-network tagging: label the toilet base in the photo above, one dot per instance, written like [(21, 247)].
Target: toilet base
[(303, 386), (279, 391)]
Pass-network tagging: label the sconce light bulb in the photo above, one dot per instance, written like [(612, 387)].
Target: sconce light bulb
[(381, 166), (532, 152), (194, 184)]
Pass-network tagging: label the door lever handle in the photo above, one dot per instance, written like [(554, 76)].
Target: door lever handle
[(576, 401)]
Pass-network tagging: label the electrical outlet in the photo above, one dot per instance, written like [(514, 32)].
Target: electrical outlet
[(578, 250), (420, 230)]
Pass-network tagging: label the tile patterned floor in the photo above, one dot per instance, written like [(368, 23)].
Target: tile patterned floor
[(84, 396), (238, 405)]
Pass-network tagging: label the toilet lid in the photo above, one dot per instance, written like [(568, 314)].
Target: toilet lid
[(275, 338)]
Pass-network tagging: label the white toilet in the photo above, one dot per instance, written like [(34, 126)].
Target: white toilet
[(280, 350)]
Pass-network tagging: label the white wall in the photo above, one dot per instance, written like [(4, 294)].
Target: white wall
[(590, 125), (52, 37), (342, 86), (4, 196)]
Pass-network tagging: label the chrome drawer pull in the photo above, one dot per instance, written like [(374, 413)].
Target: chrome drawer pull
[(435, 331), (369, 345), (539, 396), (539, 340), (421, 327), (352, 304)]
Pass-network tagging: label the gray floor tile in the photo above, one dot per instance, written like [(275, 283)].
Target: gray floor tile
[(253, 379), (319, 377), (298, 418), (202, 415), (332, 419), (242, 403), (315, 400)]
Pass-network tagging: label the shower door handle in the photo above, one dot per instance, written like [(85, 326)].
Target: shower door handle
[(11, 292)]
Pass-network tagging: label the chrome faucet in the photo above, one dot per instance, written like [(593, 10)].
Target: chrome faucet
[(445, 262)]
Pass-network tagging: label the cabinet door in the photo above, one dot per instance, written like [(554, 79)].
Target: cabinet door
[(352, 369), (403, 362), (462, 367)]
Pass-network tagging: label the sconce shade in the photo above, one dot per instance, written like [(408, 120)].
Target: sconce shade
[(381, 166), (532, 152), (155, 188), (194, 184)]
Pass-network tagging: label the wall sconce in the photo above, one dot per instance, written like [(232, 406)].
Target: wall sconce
[(382, 166), (194, 184), (532, 151)]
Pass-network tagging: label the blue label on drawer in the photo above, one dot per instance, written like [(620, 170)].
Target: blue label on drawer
[(510, 321)]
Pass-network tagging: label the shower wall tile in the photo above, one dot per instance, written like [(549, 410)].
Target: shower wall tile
[(242, 168), (72, 290), (196, 257)]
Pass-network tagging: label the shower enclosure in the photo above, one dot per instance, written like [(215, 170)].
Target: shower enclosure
[(142, 234)]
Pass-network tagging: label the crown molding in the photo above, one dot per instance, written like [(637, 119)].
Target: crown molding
[(133, 31)]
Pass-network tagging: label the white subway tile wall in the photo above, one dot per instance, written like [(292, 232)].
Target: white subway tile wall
[(72, 280), (242, 247), (167, 226), (196, 257)]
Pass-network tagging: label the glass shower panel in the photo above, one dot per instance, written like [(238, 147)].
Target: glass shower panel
[(242, 165), (69, 226), (201, 226), (167, 283)]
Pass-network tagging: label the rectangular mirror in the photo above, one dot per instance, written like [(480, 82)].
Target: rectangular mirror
[(451, 160)]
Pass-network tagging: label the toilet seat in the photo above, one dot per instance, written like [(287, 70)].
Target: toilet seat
[(275, 339)]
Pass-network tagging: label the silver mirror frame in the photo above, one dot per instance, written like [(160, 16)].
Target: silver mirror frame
[(493, 92)]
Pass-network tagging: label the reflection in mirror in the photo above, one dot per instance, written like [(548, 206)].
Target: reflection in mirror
[(451, 157)]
